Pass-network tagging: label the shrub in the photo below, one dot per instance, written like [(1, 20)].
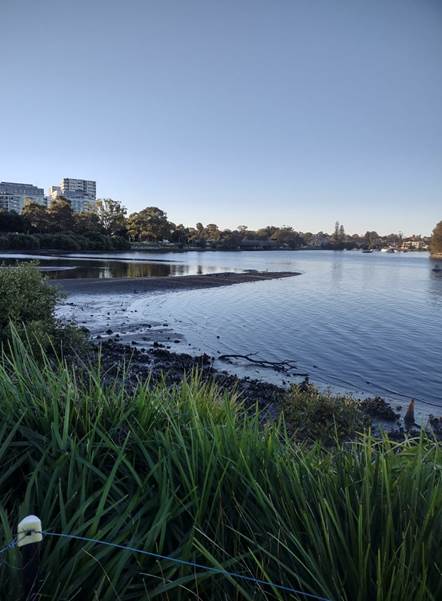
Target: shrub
[(99, 242), (120, 243), (27, 304), (25, 299), (320, 416), (59, 241), (22, 242)]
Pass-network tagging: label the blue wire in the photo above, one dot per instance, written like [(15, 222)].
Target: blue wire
[(11, 545), (187, 563)]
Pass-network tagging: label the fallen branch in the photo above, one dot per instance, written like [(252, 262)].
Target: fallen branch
[(281, 366)]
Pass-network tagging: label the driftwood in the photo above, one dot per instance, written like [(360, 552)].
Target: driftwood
[(409, 416), (281, 366)]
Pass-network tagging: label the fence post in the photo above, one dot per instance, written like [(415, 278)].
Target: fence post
[(29, 535)]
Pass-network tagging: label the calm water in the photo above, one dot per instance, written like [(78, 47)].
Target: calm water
[(364, 322), (361, 322)]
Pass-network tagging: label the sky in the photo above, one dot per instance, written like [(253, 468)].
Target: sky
[(255, 112)]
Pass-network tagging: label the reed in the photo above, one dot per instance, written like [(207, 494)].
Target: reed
[(185, 471)]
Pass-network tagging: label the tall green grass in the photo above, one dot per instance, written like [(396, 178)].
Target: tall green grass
[(185, 472)]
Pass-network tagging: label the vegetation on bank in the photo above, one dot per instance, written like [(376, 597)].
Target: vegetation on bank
[(185, 471), (57, 227), (106, 226), (436, 240), (27, 305)]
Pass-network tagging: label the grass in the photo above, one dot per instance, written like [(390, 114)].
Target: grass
[(184, 471)]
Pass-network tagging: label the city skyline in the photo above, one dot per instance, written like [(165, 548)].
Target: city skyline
[(289, 113)]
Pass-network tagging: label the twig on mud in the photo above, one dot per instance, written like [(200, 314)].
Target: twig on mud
[(281, 366)]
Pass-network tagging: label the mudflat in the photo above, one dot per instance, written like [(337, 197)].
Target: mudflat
[(186, 282)]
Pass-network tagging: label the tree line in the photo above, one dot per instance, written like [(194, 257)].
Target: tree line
[(103, 227), (436, 240), (106, 226)]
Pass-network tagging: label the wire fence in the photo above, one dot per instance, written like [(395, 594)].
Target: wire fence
[(158, 556)]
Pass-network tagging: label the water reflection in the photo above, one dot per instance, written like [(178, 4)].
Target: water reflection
[(435, 288), (105, 269)]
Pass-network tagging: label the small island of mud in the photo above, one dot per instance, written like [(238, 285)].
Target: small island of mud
[(143, 284)]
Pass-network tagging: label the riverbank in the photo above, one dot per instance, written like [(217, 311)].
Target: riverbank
[(159, 365), (153, 284)]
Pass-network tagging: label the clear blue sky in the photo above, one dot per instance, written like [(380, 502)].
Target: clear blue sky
[(256, 112)]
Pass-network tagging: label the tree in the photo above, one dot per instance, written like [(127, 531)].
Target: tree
[(60, 215), (231, 240), (10, 221), (149, 224), (37, 217), (112, 216), (197, 235), (436, 240), (88, 223), (287, 236), (180, 234), (341, 233), (212, 232), (370, 238)]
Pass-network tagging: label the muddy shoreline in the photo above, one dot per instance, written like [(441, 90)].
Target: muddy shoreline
[(159, 364), (153, 284)]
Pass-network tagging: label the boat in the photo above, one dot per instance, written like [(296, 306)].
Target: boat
[(367, 250), (388, 250), (437, 269)]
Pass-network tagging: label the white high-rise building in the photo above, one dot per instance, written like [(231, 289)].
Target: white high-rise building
[(54, 192), (86, 187), (13, 195), (80, 193)]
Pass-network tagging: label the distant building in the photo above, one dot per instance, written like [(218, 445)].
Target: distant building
[(80, 193), (13, 195), (54, 192), (86, 187)]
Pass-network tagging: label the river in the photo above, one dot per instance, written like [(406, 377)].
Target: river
[(365, 323)]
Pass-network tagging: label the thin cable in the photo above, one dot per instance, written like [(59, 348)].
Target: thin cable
[(11, 545), (187, 563)]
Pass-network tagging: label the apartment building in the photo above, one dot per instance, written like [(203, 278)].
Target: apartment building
[(80, 193), (79, 186), (13, 195)]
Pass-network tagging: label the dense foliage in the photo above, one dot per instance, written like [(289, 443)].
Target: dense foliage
[(25, 300), (106, 226), (436, 240), (27, 304), (183, 471), (57, 227)]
